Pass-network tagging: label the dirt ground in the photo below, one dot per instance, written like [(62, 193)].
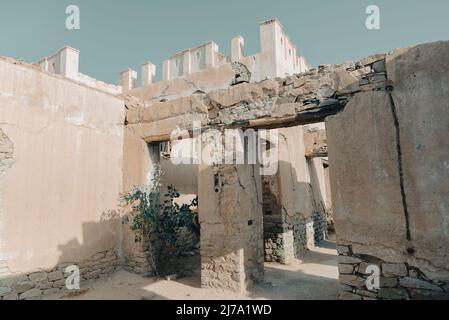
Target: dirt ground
[(314, 277)]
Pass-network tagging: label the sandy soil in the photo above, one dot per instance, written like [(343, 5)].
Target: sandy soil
[(314, 277)]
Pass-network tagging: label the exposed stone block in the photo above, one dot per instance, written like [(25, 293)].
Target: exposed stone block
[(348, 260), (394, 269), (393, 294), (51, 291), (23, 286), (418, 284), (345, 287), (33, 293), (44, 285), (362, 268), (379, 66), (343, 250), (345, 268), (12, 296), (366, 293), (388, 282), (4, 290), (418, 294), (38, 276), (352, 280), (59, 283), (349, 296), (55, 275)]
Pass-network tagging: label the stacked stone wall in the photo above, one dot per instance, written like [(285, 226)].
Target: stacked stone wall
[(397, 281), (41, 283)]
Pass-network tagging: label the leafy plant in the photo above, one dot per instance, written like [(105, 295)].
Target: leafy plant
[(149, 217)]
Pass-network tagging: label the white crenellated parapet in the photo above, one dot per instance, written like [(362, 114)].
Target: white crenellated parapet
[(237, 46), (128, 80), (278, 57), (148, 73), (285, 56)]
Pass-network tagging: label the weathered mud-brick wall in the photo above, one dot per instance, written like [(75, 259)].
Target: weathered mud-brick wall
[(230, 214), (389, 166)]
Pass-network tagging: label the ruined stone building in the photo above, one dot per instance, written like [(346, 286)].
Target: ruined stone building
[(70, 145)]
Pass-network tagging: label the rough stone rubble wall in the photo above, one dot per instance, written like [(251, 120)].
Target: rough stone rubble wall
[(269, 99), (287, 237), (41, 283), (398, 281)]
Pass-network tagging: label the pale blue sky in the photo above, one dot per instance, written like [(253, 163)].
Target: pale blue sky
[(117, 34)]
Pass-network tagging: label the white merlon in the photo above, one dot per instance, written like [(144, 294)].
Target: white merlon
[(166, 70), (237, 46), (148, 73), (65, 62), (211, 52), (186, 63), (128, 80)]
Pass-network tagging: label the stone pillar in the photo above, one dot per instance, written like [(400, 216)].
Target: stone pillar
[(230, 214), (128, 80), (237, 46), (148, 73)]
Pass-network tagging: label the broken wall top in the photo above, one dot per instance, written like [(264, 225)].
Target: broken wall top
[(281, 102)]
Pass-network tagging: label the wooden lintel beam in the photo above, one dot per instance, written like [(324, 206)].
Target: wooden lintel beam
[(308, 116)]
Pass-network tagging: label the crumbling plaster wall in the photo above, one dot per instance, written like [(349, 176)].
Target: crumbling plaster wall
[(67, 143), (230, 214), (388, 154)]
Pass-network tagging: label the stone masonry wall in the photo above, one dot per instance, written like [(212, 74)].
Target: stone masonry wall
[(277, 238), (39, 284), (308, 232), (150, 258), (398, 281), (287, 237)]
